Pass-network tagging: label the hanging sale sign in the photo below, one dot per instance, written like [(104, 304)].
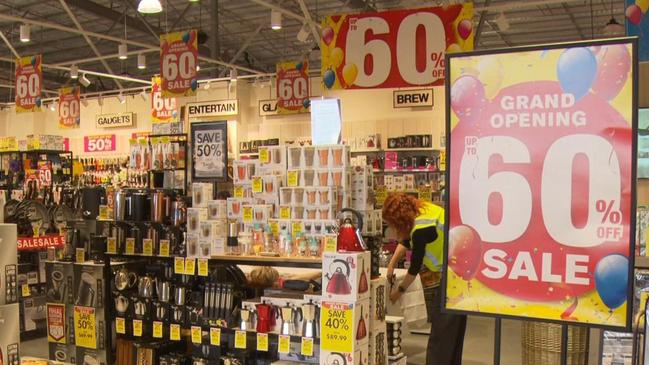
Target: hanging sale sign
[(69, 111), (29, 81), (293, 87), (178, 60), (392, 49), (209, 150), (100, 143), (163, 110), (542, 182)]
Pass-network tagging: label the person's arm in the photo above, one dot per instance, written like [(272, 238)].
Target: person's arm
[(419, 240), (399, 252)]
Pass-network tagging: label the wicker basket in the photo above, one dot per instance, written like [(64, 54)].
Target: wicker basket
[(541, 343)]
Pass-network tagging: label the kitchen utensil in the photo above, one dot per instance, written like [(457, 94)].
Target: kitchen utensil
[(290, 315), (124, 279), (158, 207), (120, 205), (86, 291), (310, 313), (266, 315), (163, 290), (349, 237), (145, 286), (180, 295), (140, 307), (121, 304), (246, 316), (58, 287), (338, 281)]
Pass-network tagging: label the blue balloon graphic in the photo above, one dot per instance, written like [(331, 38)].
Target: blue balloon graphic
[(576, 71), (306, 103), (194, 84), (299, 66), (186, 37), (329, 78), (33, 60), (38, 102), (611, 279)]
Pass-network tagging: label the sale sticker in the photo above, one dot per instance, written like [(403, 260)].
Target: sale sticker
[(285, 212), (147, 247), (111, 245), (306, 348), (80, 255), (157, 329), (164, 248), (293, 178), (337, 327), (215, 336), (179, 265), (137, 327), (25, 291), (163, 110), (541, 182), (197, 335), (262, 341), (56, 326), (174, 332), (85, 332), (240, 340), (129, 249), (264, 156), (120, 325), (425, 193), (380, 194), (331, 243), (284, 345), (178, 60), (238, 191), (29, 81), (293, 87), (69, 108), (190, 266), (257, 184), (100, 143), (247, 214), (395, 48)]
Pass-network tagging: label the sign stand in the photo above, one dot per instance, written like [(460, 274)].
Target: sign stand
[(564, 344), (497, 340)]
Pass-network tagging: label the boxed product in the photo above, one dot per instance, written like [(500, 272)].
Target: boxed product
[(268, 184), (8, 264), (319, 227), (204, 248), (355, 314), (91, 356), (244, 170), (194, 217), (201, 194), (295, 157), (273, 156), (262, 213), (378, 347), (346, 276), (34, 315), (409, 182), (218, 246), (242, 190), (192, 243), (89, 284), (359, 357), (378, 303), (234, 208), (399, 183), (213, 228), (217, 209), (332, 156), (60, 280), (10, 334), (65, 353)]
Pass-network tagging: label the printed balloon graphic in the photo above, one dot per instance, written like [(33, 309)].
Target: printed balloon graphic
[(38, 102), (329, 78), (614, 64), (491, 75), (611, 279), (453, 48), (306, 103), (350, 72), (576, 71), (194, 84), (34, 60), (643, 5), (186, 37), (464, 28), (336, 57), (298, 66), (467, 98), (634, 14), (464, 251), (327, 35)]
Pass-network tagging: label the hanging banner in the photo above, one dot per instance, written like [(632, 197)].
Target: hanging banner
[(209, 150), (638, 25), (29, 81), (178, 60), (392, 49), (293, 87), (541, 210), (100, 143), (69, 112), (163, 110)]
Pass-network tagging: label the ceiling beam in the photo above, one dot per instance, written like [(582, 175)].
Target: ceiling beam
[(572, 18), (309, 21), (108, 13), (478, 30), (288, 13), (244, 46), (11, 48)]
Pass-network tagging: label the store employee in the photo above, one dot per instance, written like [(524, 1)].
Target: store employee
[(420, 228)]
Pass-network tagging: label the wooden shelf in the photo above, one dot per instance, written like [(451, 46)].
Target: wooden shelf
[(269, 260), (415, 149), (367, 150)]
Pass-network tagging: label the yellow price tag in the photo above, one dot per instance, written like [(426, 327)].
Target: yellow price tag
[(111, 245), (442, 160), (284, 212), (120, 325), (80, 255), (296, 228), (202, 267), (274, 227), (257, 185), (190, 266), (137, 328), (644, 295), (157, 329), (330, 244), (336, 333), (103, 212), (247, 214), (380, 194), (262, 341), (284, 345), (307, 347), (240, 340), (25, 290), (130, 246), (164, 248), (147, 247), (425, 193), (263, 155), (174, 332), (238, 191), (215, 336), (197, 335), (85, 330), (293, 179), (179, 265)]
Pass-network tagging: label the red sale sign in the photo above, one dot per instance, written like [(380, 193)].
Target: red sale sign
[(100, 143), (391, 49), (69, 109), (178, 60), (293, 87), (541, 159), (163, 110), (29, 81)]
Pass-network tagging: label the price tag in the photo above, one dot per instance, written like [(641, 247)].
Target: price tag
[(262, 341), (190, 266), (174, 332), (120, 325), (380, 194), (202, 267), (157, 329), (238, 191), (179, 265), (147, 247), (247, 214), (337, 327), (103, 212), (26, 291), (442, 160), (284, 344), (284, 212), (137, 328), (257, 185), (292, 179), (164, 248), (111, 245), (263, 155), (425, 193), (85, 330), (330, 244), (215, 336), (307, 347), (80, 255), (197, 335), (296, 227), (240, 340), (130, 246), (274, 227)]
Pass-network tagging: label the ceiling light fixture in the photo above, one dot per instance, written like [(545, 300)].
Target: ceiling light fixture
[(303, 34), (84, 80), (613, 28), (275, 20), (24, 33), (141, 61), (149, 6), (193, 1), (121, 98), (74, 72), (122, 51)]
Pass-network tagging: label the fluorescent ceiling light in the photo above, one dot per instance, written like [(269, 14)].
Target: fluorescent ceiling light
[(24, 33), (275, 20), (141, 61), (149, 6)]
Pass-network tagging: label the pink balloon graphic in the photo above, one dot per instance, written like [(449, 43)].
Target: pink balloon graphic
[(614, 64), (467, 98), (327, 35), (464, 251), (634, 14), (464, 28)]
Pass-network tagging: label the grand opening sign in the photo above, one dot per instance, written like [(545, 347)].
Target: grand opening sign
[(541, 185)]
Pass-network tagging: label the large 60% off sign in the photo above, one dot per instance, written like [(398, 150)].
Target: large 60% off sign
[(292, 87), (28, 83), (178, 60), (163, 110), (69, 109)]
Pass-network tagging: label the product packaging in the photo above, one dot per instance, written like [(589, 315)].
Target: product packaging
[(378, 303), (378, 346), (201, 194), (60, 280), (244, 170), (34, 313), (359, 357), (89, 285), (346, 276), (91, 356), (217, 209), (10, 334), (194, 218), (273, 157), (61, 352), (295, 157)]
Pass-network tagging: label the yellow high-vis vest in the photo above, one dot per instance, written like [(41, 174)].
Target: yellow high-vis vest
[(431, 215)]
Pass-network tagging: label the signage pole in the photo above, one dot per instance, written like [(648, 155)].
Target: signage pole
[(497, 338), (564, 344)]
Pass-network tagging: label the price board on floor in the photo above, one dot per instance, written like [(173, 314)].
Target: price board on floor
[(336, 327), (541, 161), (69, 108), (178, 61), (29, 81), (209, 150), (293, 87), (393, 49)]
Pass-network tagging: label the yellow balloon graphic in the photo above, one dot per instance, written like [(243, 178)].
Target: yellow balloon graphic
[(491, 75), (643, 5), (350, 71), (464, 71), (454, 47), (336, 57)]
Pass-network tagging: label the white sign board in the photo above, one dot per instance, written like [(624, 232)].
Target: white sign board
[(267, 107), (412, 98), (114, 120), (326, 121), (217, 108)]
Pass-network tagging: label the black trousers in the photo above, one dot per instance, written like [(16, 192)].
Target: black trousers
[(446, 332)]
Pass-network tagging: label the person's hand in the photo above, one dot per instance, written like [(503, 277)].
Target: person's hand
[(390, 274), (395, 295)]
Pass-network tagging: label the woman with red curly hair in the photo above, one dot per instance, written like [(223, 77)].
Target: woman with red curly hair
[(420, 228)]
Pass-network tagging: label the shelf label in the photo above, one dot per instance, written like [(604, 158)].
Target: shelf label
[(130, 246), (247, 214), (337, 327), (331, 243), (274, 227), (111, 245), (190, 266), (157, 329), (80, 255), (293, 178), (137, 327), (120, 325), (174, 332), (257, 185), (240, 340), (307, 347), (284, 344), (179, 265), (263, 155), (380, 194), (238, 191), (164, 248), (215, 336), (25, 290), (103, 212), (262, 341), (425, 193), (147, 247), (284, 212), (197, 335), (202, 267), (297, 228)]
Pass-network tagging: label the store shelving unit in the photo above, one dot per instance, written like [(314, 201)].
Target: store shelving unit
[(62, 159), (182, 140)]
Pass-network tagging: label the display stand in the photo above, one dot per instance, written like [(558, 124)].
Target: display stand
[(497, 340)]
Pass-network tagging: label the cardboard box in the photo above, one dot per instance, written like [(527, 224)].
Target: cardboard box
[(89, 284), (10, 334), (276, 156), (346, 276), (244, 170), (201, 194), (210, 229), (295, 157), (217, 209), (192, 242), (358, 357), (194, 218), (9, 290), (378, 302), (60, 282), (61, 352), (378, 347)]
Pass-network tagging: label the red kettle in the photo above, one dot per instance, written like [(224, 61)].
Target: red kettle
[(339, 281), (349, 237)]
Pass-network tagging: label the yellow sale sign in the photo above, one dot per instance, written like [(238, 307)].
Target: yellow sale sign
[(85, 330)]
